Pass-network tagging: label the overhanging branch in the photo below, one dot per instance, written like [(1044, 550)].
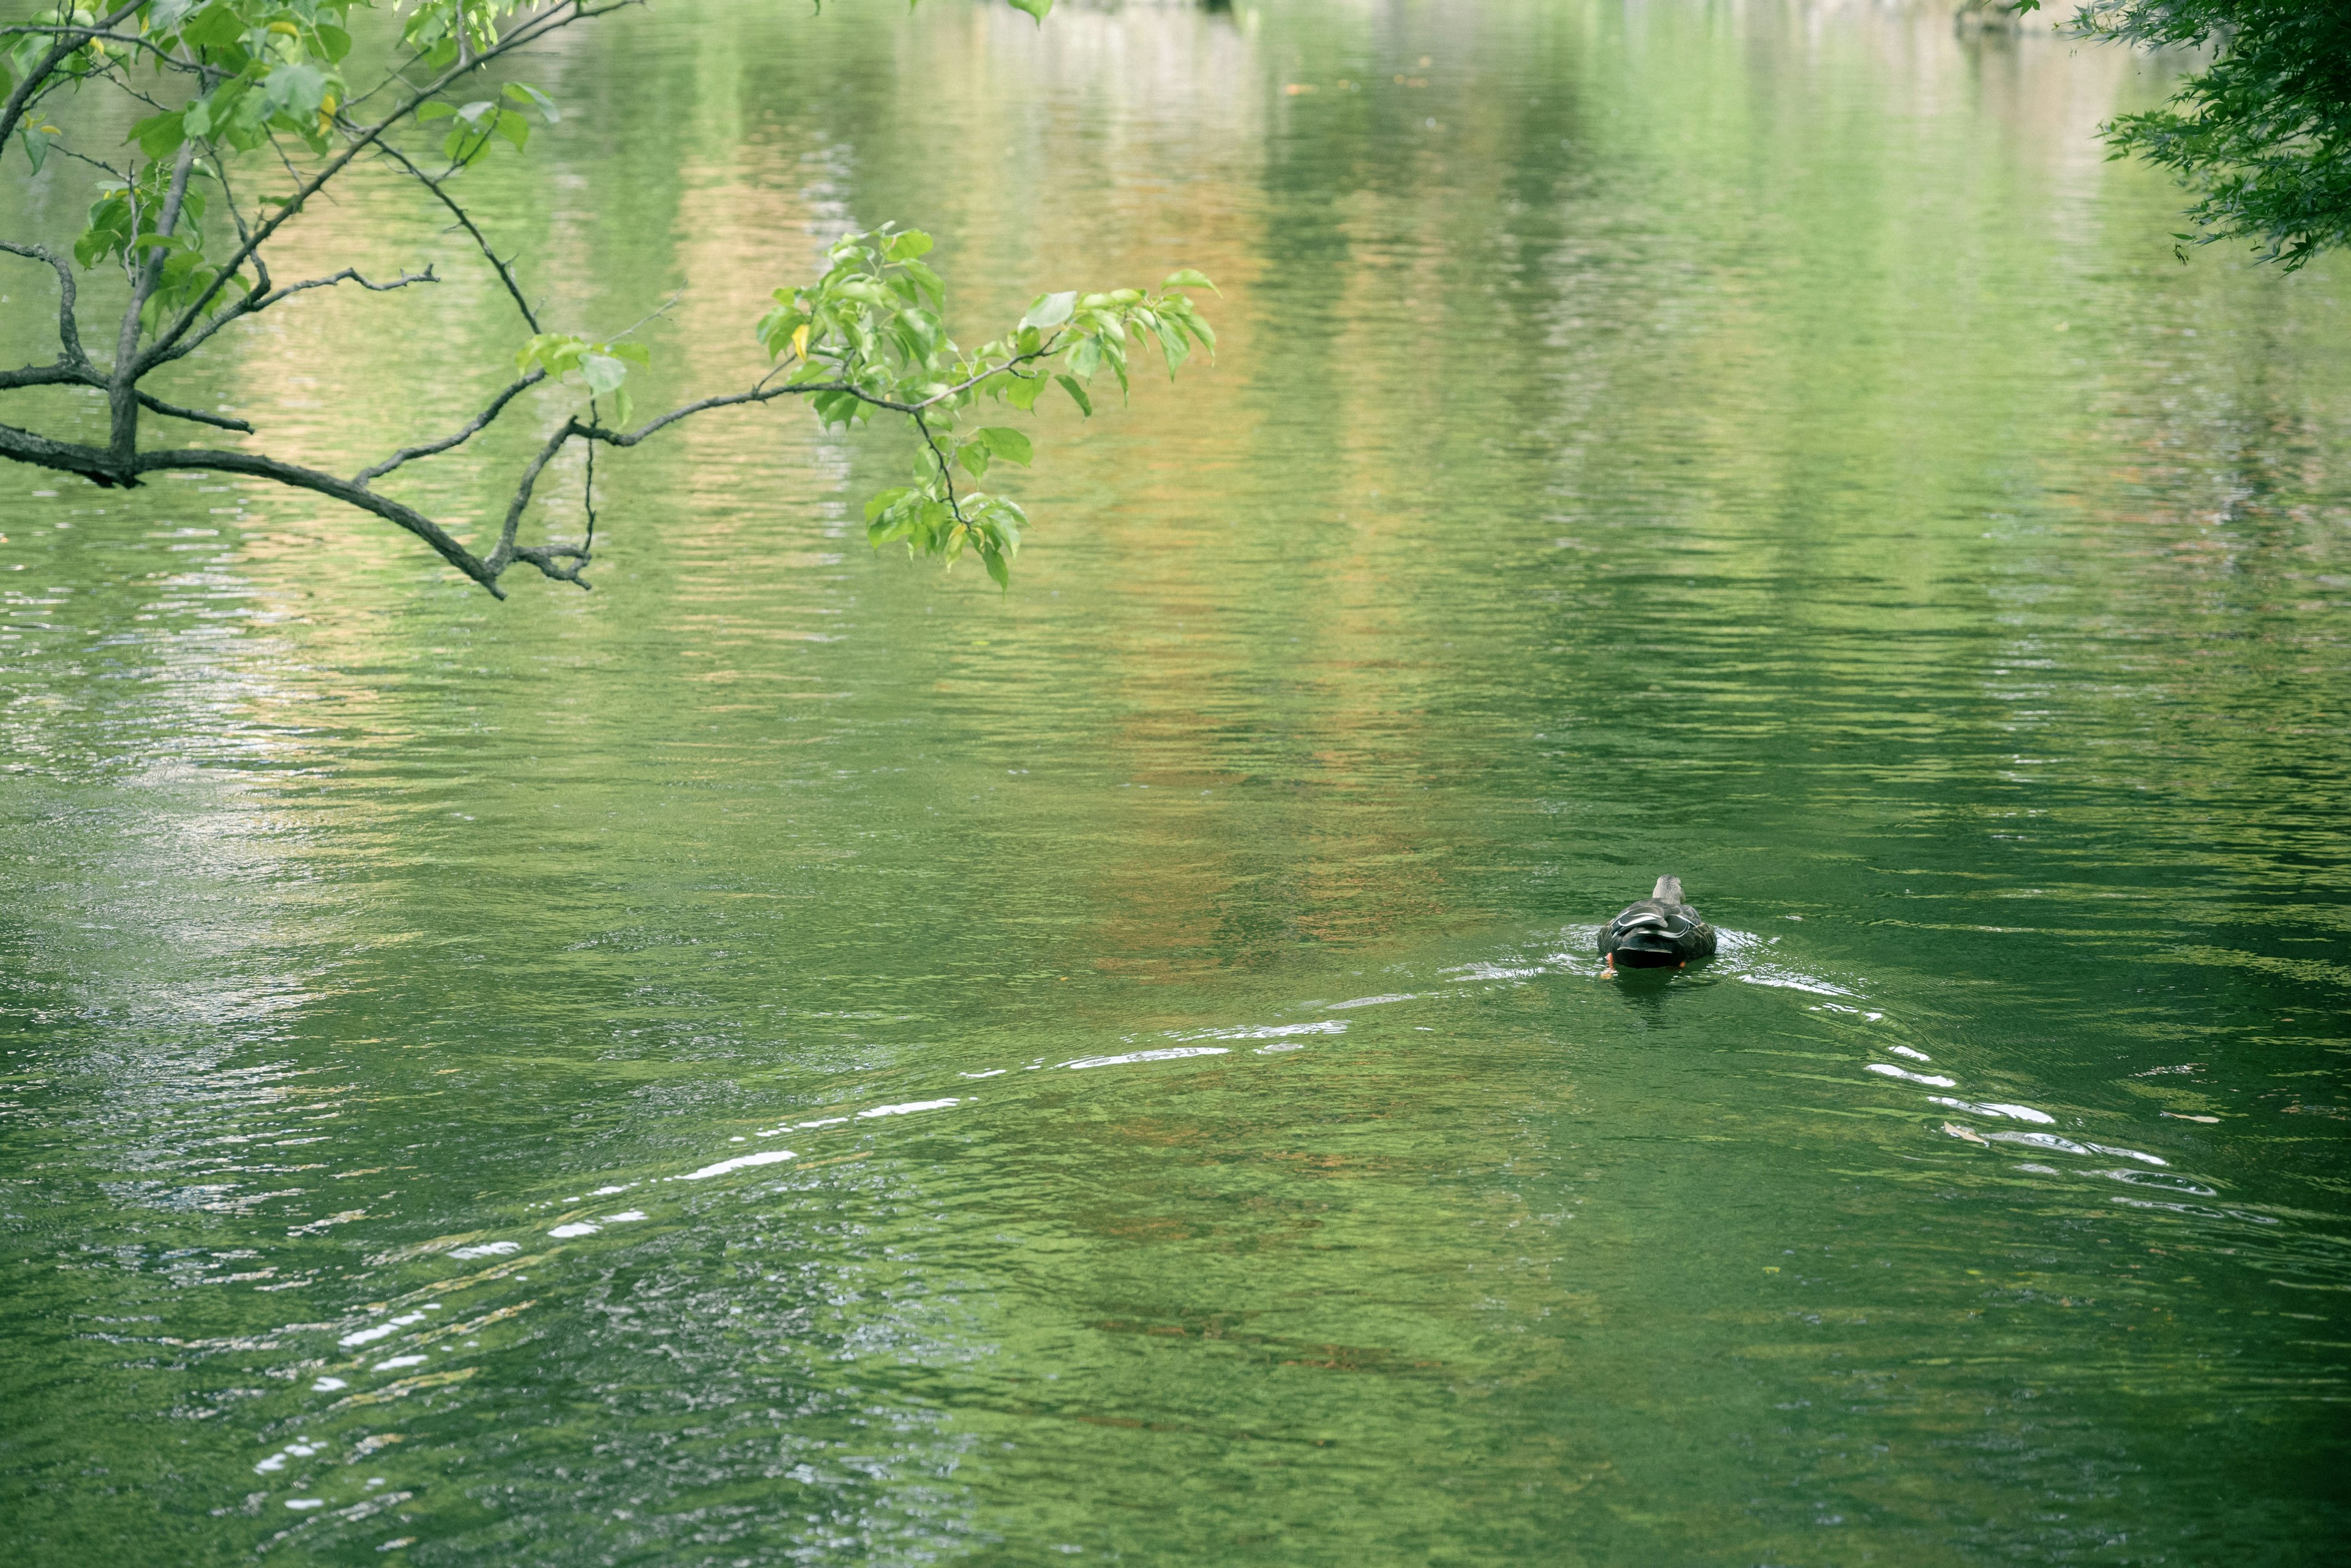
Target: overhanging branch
[(257, 301), (530, 31), (473, 427), (465, 221), (69, 330)]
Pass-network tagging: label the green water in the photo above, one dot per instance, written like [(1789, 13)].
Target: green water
[(1764, 444)]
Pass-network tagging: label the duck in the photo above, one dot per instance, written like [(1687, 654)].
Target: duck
[(1660, 931)]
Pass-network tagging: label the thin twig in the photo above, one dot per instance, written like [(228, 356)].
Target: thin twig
[(465, 219), (154, 404), (473, 427), (946, 475), (260, 301)]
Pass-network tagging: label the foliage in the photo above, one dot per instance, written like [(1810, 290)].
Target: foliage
[(870, 326), (277, 85), (2264, 133)]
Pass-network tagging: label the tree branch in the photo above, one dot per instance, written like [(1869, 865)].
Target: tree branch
[(343, 490), (86, 34), (63, 48), (465, 219), (59, 374), (473, 427), (947, 473), (121, 386), (154, 404), (69, 330), (506, 550), (530, 31), (96, 464), (256, 302)]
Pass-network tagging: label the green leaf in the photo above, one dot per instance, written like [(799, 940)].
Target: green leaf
[(973, 456), (216, 26), (1009, 444), (1077, 395), (991, 558), (624, 408), (635, 353), (196, 120), (1172, 344), (928, 280), (885, 500), (297, 90), (908, 246), (37, 152), (1037, 8), (604, 373), (1021, 392), (522, 93), (435, 111), (1186, 278), (1050, 309), (333, 42), (159, 135), (513, 127), (465, 145)]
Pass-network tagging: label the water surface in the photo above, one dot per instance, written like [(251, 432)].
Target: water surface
[(1765, 443)]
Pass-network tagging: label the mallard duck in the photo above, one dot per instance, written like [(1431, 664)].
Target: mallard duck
[(1660, 931)]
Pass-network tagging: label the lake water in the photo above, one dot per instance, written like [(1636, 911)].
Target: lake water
[(1767, 444)]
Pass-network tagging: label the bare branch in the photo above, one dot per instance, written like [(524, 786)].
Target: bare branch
[(465, 219), (473, 427), (68, 331), (257, 301), (96, 464), (92, 462), (506, 550), (731, 400), (59, 374), (347, 275), (343, 490), (60, 150), (120, 390), (544, 557), (154, 404)]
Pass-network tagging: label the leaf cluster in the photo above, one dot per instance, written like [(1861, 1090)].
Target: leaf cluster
[(868, 339), (602, 368), (2264, 134)]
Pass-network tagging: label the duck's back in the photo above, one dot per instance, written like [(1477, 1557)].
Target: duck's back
[(1660, 931)]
